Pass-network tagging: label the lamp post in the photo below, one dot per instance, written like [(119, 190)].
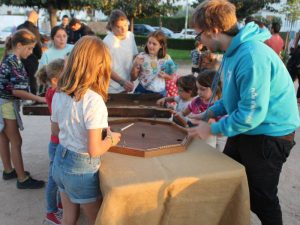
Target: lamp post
[(186, 18)]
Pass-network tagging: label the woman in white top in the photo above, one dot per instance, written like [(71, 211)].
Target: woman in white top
[(59, 48), (123, 48)]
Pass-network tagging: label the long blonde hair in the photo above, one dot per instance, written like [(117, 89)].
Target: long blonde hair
[(88, 66)]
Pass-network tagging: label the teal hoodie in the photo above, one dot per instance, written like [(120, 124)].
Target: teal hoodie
[(258, 93)]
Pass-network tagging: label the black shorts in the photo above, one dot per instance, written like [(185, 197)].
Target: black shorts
[(195, 70)]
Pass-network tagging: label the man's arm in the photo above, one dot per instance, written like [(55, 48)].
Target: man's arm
[(127, 85)]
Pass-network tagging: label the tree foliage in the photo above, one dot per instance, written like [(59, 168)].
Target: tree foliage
[(57, 4), (139, 8), (246, 7), (292, 11), (53, 5)]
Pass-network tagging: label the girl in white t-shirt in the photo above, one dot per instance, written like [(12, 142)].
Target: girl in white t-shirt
[(154, 66), (78, 117)]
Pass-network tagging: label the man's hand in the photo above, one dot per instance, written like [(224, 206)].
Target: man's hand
[(128, 86), (201, 131)]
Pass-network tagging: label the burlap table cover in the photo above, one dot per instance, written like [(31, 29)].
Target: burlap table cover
[(198, 187)]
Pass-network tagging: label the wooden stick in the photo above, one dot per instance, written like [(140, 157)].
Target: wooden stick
[(124, 128)]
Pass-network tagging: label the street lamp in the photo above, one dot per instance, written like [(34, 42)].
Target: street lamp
[(186, 17)]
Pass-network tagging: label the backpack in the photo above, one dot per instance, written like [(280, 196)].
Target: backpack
[(293, 64)]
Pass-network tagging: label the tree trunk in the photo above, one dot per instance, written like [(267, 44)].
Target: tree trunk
[(52, 14), (131, 24)]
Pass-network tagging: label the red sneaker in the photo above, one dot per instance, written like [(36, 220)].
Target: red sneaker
[(52, 218)]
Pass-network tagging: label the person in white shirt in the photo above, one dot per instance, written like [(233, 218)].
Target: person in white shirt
[(78, 117), (123, 48)]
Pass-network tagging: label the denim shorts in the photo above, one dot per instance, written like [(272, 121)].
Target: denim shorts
[(77, 175)]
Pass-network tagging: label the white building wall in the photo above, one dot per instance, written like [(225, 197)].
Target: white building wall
[(285, 23)]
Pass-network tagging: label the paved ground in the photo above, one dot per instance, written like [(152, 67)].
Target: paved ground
[(26, 207)]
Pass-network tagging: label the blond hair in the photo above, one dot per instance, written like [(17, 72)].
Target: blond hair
[(87, 67), (52, 70), (220, 14)]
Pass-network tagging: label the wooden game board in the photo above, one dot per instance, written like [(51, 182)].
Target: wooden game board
[(119, 105), (148, 137)]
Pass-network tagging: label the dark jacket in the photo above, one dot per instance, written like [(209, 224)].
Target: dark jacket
[(74, 36), (32, 62)]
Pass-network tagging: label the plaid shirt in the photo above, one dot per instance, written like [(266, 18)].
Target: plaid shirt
[(13, 76)]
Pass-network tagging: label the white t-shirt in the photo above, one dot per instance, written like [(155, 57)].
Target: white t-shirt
[(181, 104), (122, 52), (76, 118)]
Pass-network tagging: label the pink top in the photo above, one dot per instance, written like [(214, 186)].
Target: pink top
[(276, 43), (197, 106)]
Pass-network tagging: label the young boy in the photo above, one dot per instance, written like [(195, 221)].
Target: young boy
[(195, 54)]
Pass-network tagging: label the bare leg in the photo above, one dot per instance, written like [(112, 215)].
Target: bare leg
[(71, 210), (91, 210), (5, 152), (13, 134)]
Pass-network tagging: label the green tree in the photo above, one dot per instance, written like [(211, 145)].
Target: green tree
[(53, 5), (292, 11), (139, 8), (246, 7)]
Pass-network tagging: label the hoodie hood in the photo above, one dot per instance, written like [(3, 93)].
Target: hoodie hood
[(250, 32)]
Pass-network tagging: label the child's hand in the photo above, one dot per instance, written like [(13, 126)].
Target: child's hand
[(138, 61), (113, 136), (177, 114), (41, 99), (161, 102), (195, 116), (162, 74), (116, 137)]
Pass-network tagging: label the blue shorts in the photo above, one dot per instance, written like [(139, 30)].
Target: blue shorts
[(77, 175)]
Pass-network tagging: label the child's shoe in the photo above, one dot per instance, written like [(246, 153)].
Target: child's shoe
[(12, 175), (52, 218), (59, 212), (30, 183)]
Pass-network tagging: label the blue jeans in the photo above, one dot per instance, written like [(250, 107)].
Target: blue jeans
[(52, 195), (77, 175), (141, 90)]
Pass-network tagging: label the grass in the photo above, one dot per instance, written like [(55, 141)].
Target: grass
[(1, 52), (180, 55)]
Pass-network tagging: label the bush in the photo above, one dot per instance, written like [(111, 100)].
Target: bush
[(175, 24), (182, 44)]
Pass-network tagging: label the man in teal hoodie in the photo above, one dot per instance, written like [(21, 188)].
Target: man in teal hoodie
[(258, 99)]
